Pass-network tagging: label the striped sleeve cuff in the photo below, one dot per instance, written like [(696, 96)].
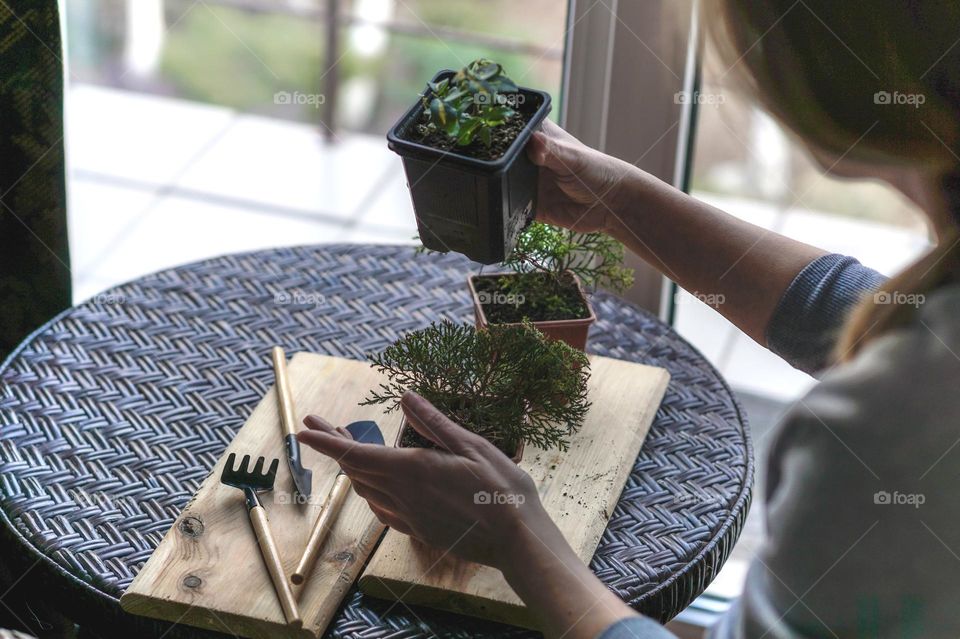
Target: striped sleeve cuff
[(808, 319)]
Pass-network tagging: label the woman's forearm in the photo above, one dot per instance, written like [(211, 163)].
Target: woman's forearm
[(739, 268), (565, 597)]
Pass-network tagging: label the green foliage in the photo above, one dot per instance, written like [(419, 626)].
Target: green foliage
[(233, 58), (507, 384), (596, 258), (469, 105)]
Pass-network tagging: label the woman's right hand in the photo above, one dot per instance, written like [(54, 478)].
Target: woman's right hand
[(580, 188)]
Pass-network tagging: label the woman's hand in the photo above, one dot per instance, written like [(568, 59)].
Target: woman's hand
[(699, 247), (580, 188), (471, 500)]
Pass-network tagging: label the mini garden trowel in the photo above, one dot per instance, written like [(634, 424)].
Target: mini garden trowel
[(302, 478), (365, 432)]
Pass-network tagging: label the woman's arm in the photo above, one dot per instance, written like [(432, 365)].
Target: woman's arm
[(706, 251), (566, 598)]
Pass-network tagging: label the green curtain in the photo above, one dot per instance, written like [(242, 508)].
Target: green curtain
[(34, 255)]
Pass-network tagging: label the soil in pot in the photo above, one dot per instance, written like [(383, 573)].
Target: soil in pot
[(500, 139), (410, 438), (512, 298)]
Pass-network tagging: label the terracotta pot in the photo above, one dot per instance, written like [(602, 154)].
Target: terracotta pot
[(572, 331), (517, 456)]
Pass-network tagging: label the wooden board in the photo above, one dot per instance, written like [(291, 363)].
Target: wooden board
[(208, 571), (579, 489)]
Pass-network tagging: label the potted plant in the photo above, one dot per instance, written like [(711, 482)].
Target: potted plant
[(549, 268), (509, 384), (473, 188)]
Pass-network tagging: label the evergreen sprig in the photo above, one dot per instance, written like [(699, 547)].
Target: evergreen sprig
[(507, 383), (596, 258)]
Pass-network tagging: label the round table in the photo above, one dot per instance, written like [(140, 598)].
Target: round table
[(113, 413)]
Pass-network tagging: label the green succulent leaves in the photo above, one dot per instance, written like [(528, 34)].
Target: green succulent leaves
[(470, 104)]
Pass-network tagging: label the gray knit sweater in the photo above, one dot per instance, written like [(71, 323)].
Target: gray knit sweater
[(863, 519)]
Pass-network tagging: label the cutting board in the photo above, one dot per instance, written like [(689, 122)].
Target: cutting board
[(579, 489), (208, 571)]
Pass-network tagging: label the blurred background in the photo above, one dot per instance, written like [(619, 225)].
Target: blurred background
[(197, 128)]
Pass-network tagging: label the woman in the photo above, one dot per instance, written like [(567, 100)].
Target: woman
[(840, 559)]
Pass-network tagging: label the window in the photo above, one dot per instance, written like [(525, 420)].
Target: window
[(264, 117)]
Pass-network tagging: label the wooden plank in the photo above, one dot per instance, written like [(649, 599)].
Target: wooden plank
[(579, 489), (208, 571)]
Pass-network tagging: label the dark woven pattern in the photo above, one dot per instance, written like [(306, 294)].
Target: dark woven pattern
[(112, 415)]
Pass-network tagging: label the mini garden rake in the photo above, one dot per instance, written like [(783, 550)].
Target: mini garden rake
[(251, 482)]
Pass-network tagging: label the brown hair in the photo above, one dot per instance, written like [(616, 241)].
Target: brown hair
[(877, 82)]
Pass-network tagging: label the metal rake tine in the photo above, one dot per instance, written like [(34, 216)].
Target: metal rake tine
[(272, 473), (231, 461), (244, 465), (258, 467)]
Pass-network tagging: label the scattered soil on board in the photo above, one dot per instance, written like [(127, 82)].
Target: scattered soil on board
[(501, 138), (537, 300)]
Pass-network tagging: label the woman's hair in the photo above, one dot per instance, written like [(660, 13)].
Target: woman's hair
[(876, 81)]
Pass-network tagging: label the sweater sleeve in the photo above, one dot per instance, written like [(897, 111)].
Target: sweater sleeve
[(807, 321), (636, 628)]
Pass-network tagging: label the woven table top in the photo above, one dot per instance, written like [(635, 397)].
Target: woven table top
[(113, 413)]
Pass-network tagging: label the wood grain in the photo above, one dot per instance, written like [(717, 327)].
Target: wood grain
[(579, 489), (207, 571)]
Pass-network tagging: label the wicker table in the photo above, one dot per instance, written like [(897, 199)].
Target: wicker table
[(113, 413)]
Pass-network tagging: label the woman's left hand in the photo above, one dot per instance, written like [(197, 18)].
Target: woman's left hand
[(471, 500), (468, 498)]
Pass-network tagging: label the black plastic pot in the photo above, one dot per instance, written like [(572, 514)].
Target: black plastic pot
[(475, 207)]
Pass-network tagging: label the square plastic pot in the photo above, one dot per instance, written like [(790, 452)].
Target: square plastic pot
[(573, 332), (463, 204)]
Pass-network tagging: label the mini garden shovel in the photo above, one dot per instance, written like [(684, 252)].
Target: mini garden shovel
[(365, 432), (251, 482), (302, 478)]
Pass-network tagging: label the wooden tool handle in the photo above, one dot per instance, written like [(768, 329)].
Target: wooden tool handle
[(321, 528), (287, 419), (271, 558)]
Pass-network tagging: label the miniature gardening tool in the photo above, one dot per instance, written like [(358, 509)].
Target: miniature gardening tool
[(251, 482), (302, 478), (364, 432)]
